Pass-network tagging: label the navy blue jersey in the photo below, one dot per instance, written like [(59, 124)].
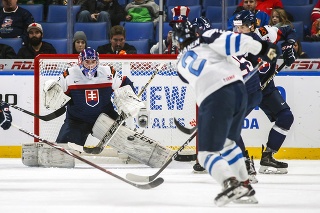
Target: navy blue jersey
[(90, 97)]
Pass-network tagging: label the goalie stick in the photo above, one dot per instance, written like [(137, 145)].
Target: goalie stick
[(48, 117), (140, 178), (150, 185), (117, 123), (272, 76)]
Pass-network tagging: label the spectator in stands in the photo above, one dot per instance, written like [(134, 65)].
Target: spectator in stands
[(109, 11), (262, 18), (7, 52), (143, 11), (298, 50), (315, 18), (167, 45), (266, 5), (35, 44), (179, 14), (14, 20), (65, 2), (279, 18), (117, 43), (79, 42)]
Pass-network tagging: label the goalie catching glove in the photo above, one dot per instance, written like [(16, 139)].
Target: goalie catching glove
[(53, 96), (127, 101)]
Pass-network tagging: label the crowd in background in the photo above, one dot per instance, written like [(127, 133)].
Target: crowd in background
[(16, 21)]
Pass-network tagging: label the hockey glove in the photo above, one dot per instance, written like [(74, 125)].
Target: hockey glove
[(127, 101), (288, 53), (5, 116), (269, 52)]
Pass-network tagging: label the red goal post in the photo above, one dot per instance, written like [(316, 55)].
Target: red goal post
[(167, 97)]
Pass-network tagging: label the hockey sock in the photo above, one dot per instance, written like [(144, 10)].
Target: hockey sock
[(276, 137), (217, 167), (233, 155)]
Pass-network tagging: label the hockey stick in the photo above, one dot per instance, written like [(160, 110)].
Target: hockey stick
[(273, 75), (184, 129), (117, 123), (150, 185), (140, 178), (48, 117)]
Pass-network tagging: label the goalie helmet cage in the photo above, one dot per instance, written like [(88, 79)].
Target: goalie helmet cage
[(167, 97)]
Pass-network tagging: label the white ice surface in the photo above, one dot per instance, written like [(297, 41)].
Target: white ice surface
[(85, 189)]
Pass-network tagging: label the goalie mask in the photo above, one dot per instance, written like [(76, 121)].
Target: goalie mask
[(183, 32), (88, 62)]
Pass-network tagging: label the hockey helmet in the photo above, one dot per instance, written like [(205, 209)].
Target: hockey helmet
[(88, 62), (244, 17), (268, 33), (183, 31), (201, 24)]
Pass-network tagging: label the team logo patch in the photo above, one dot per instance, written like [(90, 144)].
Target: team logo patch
[(92, 97)]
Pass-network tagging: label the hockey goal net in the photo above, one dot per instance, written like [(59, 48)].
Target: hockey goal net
[(167, 97)]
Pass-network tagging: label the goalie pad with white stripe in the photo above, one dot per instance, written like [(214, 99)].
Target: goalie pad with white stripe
[(137, 146), (127, 101), (53, 95)]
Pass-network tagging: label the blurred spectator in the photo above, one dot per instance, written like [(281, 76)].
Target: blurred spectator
[(279, 18), (65, 2), (143, 11), (315, 18), (109, 11), (179, 14), (167, 45), (7, 52), (14, 20), (262, 18), (35, 44), (117, 43), (79, 42), (298, 50), (266, 5)]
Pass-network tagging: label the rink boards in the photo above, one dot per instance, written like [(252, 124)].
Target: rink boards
[(298, 84)]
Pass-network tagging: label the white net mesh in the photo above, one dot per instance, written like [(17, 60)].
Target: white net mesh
[(167, 97)]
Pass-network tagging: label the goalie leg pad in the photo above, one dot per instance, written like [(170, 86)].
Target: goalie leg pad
[(43, 155), (137, 146)]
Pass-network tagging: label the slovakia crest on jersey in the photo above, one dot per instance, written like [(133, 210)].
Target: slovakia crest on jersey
[(92, 97)]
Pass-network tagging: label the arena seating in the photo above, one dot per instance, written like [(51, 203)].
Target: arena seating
[(35, 9), (15, 43), (209, 8)]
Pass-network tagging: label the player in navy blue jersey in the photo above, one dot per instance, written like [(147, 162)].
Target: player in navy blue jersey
[(206, 64), (272, 102)]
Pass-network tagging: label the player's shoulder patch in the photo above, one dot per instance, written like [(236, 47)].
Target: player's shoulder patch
[(65, 73)]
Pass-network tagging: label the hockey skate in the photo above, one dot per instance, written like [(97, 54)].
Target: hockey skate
[(250, 168), (233, 189), (269, 165), (197, 168), (249, 197)]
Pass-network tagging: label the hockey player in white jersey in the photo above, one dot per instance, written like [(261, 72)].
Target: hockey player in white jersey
[(205, 64)]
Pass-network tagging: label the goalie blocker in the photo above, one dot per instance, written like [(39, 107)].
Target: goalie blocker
[(137, 146)]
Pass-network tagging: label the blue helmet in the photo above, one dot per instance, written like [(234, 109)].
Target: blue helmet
[(89, 70), (244, 17), (201, 24)]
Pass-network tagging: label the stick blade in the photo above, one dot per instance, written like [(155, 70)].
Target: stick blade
[(184, 129), (157, 182), (138, 178)]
